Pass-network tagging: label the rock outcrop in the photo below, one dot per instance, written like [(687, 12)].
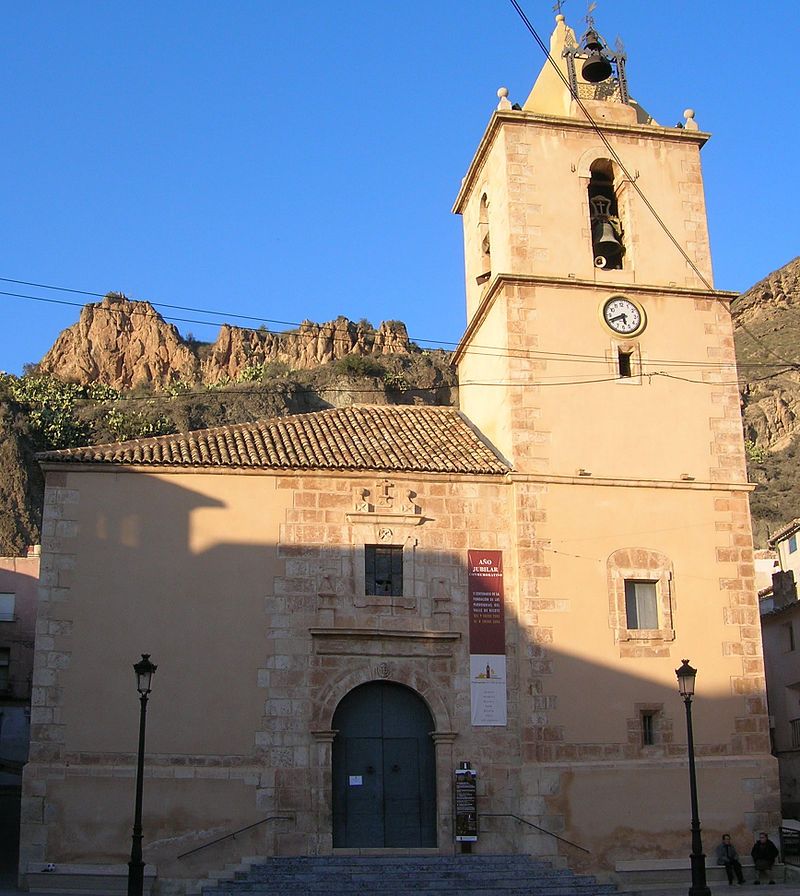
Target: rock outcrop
[(303, 349), (122, 343), (766, 327)]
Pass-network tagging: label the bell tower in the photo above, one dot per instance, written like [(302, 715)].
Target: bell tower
[(598, 358), (588, 276)]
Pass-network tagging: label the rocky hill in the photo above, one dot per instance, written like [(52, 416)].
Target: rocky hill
[(767, 326), (767, 336), (124, 344), (123, 372)]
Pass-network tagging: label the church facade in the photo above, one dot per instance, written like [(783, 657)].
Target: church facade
[(347, 607)]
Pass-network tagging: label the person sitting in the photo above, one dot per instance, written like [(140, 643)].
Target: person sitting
[(729, 859), (764, 853)]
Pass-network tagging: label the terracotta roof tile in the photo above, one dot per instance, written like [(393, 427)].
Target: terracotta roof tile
[(379, 437)]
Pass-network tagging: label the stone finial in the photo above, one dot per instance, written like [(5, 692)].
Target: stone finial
[(504, 101), (691, 124), (560, 18)]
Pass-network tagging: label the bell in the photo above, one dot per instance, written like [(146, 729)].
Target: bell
[(591, 41), (604, 240), (596, 68)]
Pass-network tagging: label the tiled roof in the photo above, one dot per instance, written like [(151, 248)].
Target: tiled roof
[(380, 437), (785, 532)]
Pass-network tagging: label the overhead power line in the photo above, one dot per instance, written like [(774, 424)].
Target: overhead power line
[(475, 351)]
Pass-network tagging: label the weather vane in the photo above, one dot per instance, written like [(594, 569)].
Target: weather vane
[(589, 16)]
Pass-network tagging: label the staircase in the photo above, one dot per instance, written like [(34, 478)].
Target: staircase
[(397, 876)]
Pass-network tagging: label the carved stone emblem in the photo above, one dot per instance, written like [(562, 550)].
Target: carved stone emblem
[(383, 670)]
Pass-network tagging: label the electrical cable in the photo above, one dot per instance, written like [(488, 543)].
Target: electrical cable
[(476, 351)]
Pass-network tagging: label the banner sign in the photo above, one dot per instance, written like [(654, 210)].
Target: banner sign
[(466, 800), (487, 638)]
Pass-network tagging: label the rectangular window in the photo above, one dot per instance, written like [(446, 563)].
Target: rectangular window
[(383, 570), (5, 676), (792, 544), (788, 637), (625, 368), (641, 604), (795, 728), (648, 729), (7, 606)]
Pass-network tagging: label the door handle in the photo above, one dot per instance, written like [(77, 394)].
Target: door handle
[(395, 768)]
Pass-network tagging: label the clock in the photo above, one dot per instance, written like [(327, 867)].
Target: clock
[(623, 316)]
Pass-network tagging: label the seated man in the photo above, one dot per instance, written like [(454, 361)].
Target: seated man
[(729, 858)]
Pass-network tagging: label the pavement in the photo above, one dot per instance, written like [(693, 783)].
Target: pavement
[(8, 887), (787, 888)]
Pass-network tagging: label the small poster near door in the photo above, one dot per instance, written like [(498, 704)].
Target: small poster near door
[(466, 804), (487, 639)]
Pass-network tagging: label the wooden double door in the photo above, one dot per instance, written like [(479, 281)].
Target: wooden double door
[(384, 770)]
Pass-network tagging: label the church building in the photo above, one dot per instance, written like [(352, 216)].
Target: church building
[(346, 608)]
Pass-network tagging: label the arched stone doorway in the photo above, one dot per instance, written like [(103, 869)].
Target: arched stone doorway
[(384, 769)]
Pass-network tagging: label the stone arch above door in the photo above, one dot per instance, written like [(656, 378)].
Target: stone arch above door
[(328, 698)]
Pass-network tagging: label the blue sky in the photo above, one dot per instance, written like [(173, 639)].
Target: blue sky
[(299, 161)]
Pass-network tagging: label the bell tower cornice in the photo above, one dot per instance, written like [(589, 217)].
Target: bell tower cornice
[(502, 117), (499, 281)]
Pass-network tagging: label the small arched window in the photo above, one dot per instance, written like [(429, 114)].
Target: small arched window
[(483, 233), (608, 247)]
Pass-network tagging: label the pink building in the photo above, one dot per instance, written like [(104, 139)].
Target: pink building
[(19, 581)]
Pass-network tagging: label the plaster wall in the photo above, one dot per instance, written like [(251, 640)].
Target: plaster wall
[(577, 608), (484, 372), (179, 571)]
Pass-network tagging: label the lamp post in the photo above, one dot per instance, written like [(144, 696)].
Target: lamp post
[(686, 678), (144, 670)]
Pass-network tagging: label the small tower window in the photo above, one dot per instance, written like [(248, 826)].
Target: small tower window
[(485, 240), (648, 718), (625, 364), (607, 243)]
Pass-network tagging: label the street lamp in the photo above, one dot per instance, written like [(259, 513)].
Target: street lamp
[(686, 678), (144, 670)]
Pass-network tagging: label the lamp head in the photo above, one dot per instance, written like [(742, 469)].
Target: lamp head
[(144, 670), (686, 678)]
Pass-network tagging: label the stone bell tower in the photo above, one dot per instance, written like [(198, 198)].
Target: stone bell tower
[(598, 358), (563, 214)]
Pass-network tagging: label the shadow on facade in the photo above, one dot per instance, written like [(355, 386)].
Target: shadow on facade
[(251, 600)]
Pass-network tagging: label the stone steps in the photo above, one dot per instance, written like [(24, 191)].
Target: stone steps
[(406, 875)]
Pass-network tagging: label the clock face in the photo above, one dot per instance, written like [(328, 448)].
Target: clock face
[(623, 316)]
